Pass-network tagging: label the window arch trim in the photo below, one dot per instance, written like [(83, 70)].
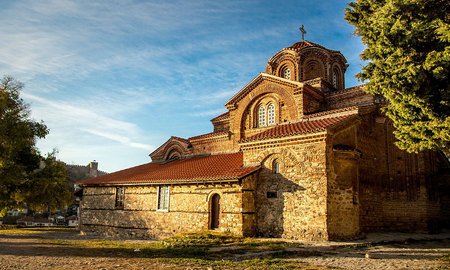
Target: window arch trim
[(271, 114), (261, 116)]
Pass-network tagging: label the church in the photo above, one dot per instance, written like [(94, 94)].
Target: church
[(296, 155)]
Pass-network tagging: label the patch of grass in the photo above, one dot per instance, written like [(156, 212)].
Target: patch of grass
[(220, 251), (445, 258), (256, 263), (201, 239)]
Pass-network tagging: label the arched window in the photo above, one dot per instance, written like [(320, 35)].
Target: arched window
[(275, 166), (335, 78), (287, 73), (261, 116), (271, 115)]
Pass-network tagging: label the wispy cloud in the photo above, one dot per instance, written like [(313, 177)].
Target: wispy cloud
[(119, 138), (123, 75), (76, 120)]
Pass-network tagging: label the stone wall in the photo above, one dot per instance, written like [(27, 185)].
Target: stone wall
[(291, 203), (189, 210), (343, 207)]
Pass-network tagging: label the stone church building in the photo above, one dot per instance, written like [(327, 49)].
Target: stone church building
[(296, 155)]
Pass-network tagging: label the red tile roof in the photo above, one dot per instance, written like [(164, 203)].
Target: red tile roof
[(209, 135), (195, 169), (306, 44), (303, 127)]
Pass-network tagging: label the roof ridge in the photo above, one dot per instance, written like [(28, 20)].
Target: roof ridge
[(300, 45), (221, 115), (209, 134), (331, 113), (303, 126)]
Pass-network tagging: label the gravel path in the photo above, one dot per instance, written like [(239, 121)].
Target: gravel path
[(420, 256), (29, 252)]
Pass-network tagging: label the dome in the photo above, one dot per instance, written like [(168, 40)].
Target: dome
[(298, 46), (306, 61)]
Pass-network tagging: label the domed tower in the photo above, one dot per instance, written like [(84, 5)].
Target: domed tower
[(310, 63)]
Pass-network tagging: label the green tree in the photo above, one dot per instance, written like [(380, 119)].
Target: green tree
[(408, 56), (48, 187), (26, 176), (18, 135)]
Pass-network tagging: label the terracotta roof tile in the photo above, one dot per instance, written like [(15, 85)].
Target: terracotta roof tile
[(209, 135), (223, 116), (189, 170), (332, 113), (303, 127), (306, 44)]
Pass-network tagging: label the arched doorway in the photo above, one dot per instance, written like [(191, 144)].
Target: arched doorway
[(214, 212)]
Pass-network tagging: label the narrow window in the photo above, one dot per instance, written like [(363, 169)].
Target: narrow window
[(271, 115), (335, 78), (287, 73), (276, 166), (120, 196), (261, 116), (163, 198)]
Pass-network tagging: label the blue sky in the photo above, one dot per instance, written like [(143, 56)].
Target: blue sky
[(115, 79)]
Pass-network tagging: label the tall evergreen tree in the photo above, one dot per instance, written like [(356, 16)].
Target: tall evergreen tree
[(408, 54)]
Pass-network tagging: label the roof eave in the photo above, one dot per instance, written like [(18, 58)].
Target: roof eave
[(286, 137), (166, 182)]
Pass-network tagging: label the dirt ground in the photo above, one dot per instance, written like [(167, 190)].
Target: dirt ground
[(43, 251)]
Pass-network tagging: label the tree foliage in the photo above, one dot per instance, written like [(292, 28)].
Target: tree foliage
[(21, 180), (48, 187), (409, 64)]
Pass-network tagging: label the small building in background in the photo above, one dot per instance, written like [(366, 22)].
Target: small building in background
[(72, 221)]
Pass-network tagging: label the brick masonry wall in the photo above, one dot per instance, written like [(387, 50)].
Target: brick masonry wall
[(299, 209), (189, 210), (213, 146), (395, 189)]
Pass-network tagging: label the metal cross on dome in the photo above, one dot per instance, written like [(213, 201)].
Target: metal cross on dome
[(302, 29)]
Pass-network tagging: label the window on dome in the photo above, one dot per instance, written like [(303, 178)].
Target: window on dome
[(335, 78), (287, 73), (271, 115), (261, 116)]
